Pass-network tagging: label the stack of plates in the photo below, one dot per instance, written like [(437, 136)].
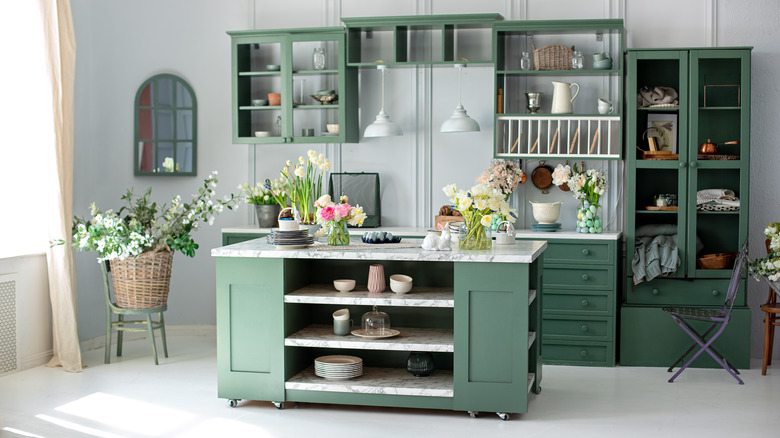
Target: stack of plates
[(546, 227), (338, 367), (290, 239)]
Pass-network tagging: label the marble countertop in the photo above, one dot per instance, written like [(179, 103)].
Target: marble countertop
[(421, 232), (524, 251)]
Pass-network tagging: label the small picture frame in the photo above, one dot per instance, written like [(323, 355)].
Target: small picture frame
[(665, 131)]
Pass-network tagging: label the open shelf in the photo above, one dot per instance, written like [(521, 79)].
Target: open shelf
[(418, 297), (410, 339), (389, 381), (579, 136)]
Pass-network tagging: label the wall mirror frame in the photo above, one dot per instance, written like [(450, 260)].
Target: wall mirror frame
[(166, 128)]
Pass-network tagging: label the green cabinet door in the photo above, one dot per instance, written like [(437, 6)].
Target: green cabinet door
[(491, 358), (250, 333)]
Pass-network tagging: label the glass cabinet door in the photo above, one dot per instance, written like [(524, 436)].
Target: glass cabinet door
[(258, 108), (720, 111)]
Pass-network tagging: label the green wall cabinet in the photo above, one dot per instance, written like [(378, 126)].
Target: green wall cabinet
[(281, 61), (713, 85)]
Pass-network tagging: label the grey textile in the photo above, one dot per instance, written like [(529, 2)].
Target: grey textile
[(657, 96), (655, 256)]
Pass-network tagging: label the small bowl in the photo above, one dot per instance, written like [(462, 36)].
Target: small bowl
[(400, 283), (325, 92), (259, 102), (273, 67), (262, 134), (325, 99), (604, 64), (344, 285), (333, 128)]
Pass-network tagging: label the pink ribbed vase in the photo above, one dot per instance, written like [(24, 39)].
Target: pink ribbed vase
[(376, 278)]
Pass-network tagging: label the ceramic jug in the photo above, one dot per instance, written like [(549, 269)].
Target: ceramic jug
[(562, 98)]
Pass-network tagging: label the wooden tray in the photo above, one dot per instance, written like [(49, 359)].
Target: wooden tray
[(667, 208)]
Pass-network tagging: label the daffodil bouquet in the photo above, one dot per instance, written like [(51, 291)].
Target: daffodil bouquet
[(476, 205), (768, 266), (304, 184)]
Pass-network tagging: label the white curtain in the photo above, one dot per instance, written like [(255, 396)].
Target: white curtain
[(60, 44)]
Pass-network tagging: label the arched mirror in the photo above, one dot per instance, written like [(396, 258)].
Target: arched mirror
[(166, 134)]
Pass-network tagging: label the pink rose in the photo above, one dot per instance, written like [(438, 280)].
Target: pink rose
[(342, 210), (327, 213)]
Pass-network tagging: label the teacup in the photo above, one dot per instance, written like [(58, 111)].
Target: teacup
[(605, 107)]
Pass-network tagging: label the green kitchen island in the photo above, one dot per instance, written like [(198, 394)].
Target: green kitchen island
[(477, 312)]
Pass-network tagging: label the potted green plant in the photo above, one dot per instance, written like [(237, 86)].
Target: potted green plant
[(139, 240), (268, 198)]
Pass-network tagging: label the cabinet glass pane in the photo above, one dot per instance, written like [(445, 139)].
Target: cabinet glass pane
[(164, 92), (184, 157), (164, 124), (184, 125)]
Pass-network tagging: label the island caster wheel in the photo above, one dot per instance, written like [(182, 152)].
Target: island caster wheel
[(279, 405), (233, 402), (538, 390), (474, 414), (503, 415)]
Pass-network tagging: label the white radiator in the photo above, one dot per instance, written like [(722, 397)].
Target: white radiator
[(8, 354)]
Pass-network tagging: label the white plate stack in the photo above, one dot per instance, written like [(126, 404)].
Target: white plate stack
[(338, 367), (289, 239)]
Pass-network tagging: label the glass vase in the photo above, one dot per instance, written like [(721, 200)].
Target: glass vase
[(318, 59), (420, 364), (588, 219), (338, 234), (473, 235)]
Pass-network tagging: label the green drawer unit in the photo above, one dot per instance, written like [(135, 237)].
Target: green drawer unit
[(584, 328), (580, 278), (649, 337), (577, 302), (579, 353), (580, 252), (665, 292), (580, 290)]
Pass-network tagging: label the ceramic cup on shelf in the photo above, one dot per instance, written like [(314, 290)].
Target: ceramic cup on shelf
[(341, 322), (274, 99), (376, 278), (605, 107)]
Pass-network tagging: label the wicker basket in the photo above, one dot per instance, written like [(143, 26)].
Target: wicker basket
[(721, 260), (552, 57), (142, 282)]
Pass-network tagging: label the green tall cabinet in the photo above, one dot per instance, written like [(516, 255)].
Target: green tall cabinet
[(281, 61), (714, 105)]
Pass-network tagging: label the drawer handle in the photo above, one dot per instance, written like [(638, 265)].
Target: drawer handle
[(584, 328), (585, 277), (714, 292), (584, 353), (655, 292), (585, 251), (585, 303)]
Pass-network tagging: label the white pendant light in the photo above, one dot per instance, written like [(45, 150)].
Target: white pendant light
[(460, 121), (382, 126)]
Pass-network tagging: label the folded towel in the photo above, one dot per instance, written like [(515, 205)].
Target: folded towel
[(720, 196), (657, 97), (652, 230), (654, 257)]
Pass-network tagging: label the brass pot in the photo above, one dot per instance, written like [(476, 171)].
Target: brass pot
[(708, 147)]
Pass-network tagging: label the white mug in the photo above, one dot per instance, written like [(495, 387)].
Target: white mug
[(341, 315), (605, 107)]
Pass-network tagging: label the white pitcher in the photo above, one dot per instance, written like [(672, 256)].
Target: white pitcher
[(562, 98)]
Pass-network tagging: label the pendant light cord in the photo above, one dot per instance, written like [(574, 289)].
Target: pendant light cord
[(460, 71), (383, 90)]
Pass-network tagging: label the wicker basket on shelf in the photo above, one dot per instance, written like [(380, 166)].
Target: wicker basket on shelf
[(552, 57), (142, 282), (721, 260)]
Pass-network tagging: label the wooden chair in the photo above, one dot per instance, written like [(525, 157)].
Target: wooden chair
[(771, 311), (121, 325)]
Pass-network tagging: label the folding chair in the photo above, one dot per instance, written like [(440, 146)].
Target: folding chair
[(718, 317)]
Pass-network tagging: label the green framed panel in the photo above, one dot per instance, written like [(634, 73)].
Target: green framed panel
[(165, 126)]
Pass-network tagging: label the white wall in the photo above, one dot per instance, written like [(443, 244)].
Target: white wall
[(120, 44)]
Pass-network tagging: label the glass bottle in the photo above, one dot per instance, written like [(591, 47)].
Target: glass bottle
[(525, 61), (318, 59), (577, 60)]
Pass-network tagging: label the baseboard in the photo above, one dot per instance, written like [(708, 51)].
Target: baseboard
[(170, 330)]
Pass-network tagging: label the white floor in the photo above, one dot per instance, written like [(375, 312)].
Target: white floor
[(132, 397)]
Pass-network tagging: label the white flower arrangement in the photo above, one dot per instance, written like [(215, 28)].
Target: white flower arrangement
[(589, 185), (768, 266)]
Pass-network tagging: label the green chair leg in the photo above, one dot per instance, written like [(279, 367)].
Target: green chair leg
[(108, 336), (162, 333), (151, 336), (120, 335)]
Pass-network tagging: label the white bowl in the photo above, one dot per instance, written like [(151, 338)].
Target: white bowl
[(400, 283), (344, 285), (546, 212), (262, 133), (333, 128)]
